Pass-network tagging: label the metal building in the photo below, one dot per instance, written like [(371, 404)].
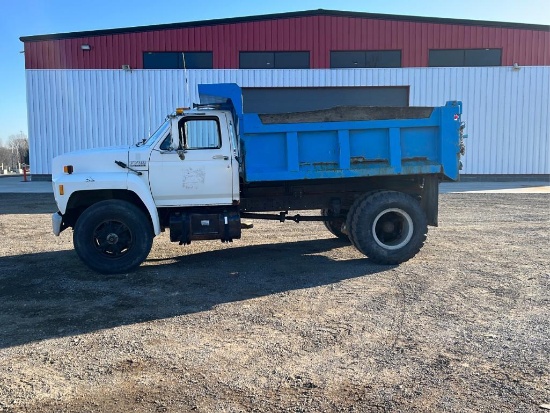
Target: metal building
[(111, 87)]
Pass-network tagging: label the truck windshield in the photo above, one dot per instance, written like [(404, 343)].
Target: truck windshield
[(158, 133)]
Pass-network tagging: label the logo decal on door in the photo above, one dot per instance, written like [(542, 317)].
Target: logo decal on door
[(193, 177)]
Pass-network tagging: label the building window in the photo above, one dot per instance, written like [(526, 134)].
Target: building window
[(177, 60), (274, 60), (465, 57), (365, 58)]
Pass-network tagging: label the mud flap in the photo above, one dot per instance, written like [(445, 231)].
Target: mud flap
[(430, 198)]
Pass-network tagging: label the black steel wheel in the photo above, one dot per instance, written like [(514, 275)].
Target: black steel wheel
[(113, 237), (388, 227), (336, 225)]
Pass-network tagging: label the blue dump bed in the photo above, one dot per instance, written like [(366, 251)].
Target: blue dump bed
[(344, 142)]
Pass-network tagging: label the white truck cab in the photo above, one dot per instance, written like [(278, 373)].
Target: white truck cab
[(190, 161)]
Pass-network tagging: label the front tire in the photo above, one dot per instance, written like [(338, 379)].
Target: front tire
[(113, 237), (388, 227)]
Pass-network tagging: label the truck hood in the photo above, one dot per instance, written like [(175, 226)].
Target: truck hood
[(92, 160)]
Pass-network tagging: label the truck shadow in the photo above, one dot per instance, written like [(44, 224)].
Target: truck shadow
[(52, 294)]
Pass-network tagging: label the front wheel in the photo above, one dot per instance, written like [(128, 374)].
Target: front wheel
[(388, 227), (113, 237)]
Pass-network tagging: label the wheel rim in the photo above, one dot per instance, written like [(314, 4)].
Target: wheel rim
[(392, 228), (112, 239)]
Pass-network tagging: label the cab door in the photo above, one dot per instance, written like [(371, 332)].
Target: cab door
[(193, 165)]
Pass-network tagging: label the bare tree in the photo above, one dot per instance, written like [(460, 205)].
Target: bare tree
[(5, 158), (19, 147)]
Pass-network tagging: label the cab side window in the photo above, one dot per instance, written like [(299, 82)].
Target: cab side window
[(199, 133)]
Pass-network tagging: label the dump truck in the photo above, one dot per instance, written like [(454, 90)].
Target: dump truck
[(373, 174)]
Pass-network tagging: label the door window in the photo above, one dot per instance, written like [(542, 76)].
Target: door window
[(203, 133)]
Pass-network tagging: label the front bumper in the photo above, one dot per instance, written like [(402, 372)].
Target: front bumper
[(57, 221)]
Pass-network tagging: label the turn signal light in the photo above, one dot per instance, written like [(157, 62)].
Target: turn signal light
[(68, 169), (61, 190)]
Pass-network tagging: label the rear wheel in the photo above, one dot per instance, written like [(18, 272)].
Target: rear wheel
[(337, 224), (113, 237), (351, 213), (388, 227)]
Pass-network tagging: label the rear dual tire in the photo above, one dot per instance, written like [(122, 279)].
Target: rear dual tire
[(335, 224), (388, 227)]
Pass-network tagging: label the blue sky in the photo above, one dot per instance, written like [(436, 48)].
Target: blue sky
[(32, 17)]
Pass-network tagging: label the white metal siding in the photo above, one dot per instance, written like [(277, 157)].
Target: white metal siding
[(507, 112)]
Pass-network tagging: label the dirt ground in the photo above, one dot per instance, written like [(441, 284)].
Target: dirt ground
[(286, 319)]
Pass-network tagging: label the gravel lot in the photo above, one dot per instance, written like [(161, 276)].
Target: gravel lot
[(285, 319)]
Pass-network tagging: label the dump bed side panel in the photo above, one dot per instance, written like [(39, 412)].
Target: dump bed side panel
[(342, 149)]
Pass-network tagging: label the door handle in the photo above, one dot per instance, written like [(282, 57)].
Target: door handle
[(224, 157)]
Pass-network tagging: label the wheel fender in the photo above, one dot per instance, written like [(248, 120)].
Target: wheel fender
[(98, 181), (84, 182), (141, 189)]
